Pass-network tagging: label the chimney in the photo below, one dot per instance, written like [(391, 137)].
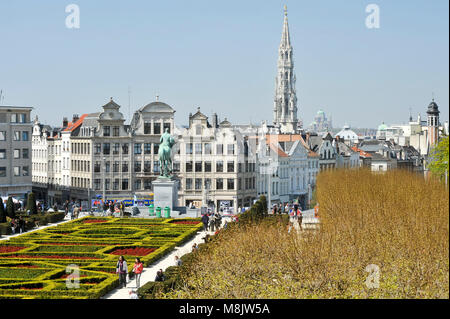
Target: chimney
[(215, 120), (65, 122), (75, 118)]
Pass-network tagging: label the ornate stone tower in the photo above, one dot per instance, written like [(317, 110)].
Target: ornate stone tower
[(433, 123), (285, 102)]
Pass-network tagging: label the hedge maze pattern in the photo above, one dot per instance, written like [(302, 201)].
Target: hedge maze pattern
[(34, 264)]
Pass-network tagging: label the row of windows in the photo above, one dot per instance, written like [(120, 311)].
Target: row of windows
[(206, 149), (107, 131), (14, 118), (17, 153), (156, 128), (81, 148), (17, 171), (81, 166), (199, 183), (17, 136), (115, 184)]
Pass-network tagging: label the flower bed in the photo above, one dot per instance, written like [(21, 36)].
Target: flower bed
[(41, 258), (134, 251)]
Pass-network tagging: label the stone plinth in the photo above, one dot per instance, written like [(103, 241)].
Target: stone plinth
[(165, 193)]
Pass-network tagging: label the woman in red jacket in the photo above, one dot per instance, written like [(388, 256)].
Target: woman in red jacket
[(137, 269)]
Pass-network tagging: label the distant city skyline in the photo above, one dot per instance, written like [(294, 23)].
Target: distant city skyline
[(222, 57)]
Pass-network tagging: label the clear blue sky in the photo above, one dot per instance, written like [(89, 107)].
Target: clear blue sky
[(221, 56)]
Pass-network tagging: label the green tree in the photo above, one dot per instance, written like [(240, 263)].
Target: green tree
[(31, 203), (10, 209), (2, 212), (439, 158)]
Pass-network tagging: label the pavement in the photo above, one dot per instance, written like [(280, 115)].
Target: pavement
[(149, 273)]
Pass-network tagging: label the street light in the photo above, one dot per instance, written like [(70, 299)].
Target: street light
[(269, 207), (104, 180)]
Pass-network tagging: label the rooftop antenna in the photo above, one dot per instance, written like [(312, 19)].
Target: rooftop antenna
[(432, 96), (2, 97), (410, 114)]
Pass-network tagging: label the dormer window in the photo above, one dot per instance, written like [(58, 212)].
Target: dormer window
[(198, 129)]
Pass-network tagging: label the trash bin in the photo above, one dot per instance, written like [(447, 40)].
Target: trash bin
[(158, 212), (151, 210), (167, 212)]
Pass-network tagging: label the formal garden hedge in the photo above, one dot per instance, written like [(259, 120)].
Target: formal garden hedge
[(30, 221), (34, 265)]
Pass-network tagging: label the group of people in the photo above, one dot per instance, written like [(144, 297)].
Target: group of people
[(109, 208), (295, 216), (18, 225), (211, 221), (122, 271)]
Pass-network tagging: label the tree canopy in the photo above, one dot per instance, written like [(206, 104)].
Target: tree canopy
[(439, 158)]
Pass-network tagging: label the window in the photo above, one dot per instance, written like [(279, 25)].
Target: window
[(167, 126), (239, 184), (188, 148), (96, 184), (2, 171), (208, 167), (116, 148), (198, 184), (198, 166), (189, 166), (219, 166), (97, 167), (97, 148), (22, 118), (230, 149), (25, 153), (208, 183), (25, 135), (116, 132), (207, 148), (147, 148), (106, 131), (219, 183), (2, 154), (16, 170), (125, 184), (116, 167), (147, 184), (137, 183), (198, 148), (124, 167), (155, 149), (16, 136), (230, 167), (147, 166), (157, 128), (16, 153), (137, 167), (147, 129), (137, 149), (198, 129), (176, 167), (116, 185), (13, 118), (107, 167), (188, 183), (106, 148), (219, 149), (2, 135), (25, 171), (156, 168), (125, 149), (230, 184), (107, 186)]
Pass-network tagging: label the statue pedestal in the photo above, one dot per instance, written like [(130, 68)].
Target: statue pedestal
[(165, 193)]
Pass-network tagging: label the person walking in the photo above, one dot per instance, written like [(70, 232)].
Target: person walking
[(212, 220), (122, 270), (299, 218), (137, 269), (66, 207), (205, 220), (21, 225), (178, 261)]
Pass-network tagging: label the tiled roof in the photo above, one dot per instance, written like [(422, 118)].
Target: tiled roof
[(361, 152), (72, 126)]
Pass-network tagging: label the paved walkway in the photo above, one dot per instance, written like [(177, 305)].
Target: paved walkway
[(149, 273)]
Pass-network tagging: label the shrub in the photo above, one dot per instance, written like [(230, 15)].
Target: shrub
[(10, 209), (2, 212), (31, 203)]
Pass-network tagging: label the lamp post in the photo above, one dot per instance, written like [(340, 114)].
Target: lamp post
[(104, 180), (269, 207)]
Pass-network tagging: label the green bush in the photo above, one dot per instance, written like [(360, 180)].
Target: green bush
[(10, 209), (2, 213), (31, 203)]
